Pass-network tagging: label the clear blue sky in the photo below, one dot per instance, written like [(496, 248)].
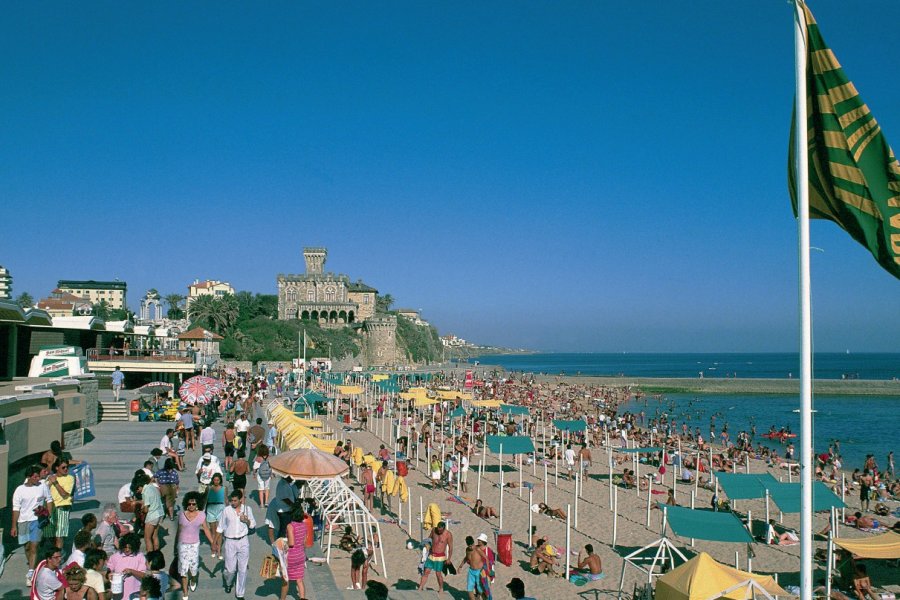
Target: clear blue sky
[(584, 176)]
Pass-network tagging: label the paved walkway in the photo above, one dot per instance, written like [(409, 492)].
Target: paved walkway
[(115, 452)]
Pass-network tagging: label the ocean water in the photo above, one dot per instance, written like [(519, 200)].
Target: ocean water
[(876, 366), (863, 424)]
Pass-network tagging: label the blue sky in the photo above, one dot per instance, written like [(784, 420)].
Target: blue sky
[(583, 176)]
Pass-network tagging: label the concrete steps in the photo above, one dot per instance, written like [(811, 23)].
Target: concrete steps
[(114, 411)]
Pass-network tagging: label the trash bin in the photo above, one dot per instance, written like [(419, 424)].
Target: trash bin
[(135, 406), (504, 548)]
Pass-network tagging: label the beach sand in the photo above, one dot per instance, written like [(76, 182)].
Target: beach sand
[(595, 526)]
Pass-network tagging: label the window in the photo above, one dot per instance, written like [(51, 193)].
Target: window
[(329, 294), (365, 298), (292, 296), (311, 295)]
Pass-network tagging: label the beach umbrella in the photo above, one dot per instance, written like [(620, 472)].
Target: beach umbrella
[(156, 386), (308, 463), (199, 390)]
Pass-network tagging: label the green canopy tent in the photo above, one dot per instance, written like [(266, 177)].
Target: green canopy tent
[(512, 409), (457, 412), (647, 450), (704, 524), (745, 486), (508, 444), (787, 497), (570, 426)]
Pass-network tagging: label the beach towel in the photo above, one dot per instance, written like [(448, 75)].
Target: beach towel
[(387, 520), (456, 499), (874, 529), (387, 484), (84, 481), (357, 456), (432, 516), (401, 489)]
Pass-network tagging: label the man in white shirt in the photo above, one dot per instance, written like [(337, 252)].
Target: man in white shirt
[(27, 497), (235, 525), (207, 466), (207, 438), (165, 444), (242, 426), (569, 456), (464, 473)]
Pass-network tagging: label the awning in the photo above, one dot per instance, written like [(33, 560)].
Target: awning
[(886, 545), (349, 390), (512, 444), (787, 497), (702, 578), (745, 486), (487, 403), (512, 409), (647, 450), (457, 412), (706, 524), (576, 425)]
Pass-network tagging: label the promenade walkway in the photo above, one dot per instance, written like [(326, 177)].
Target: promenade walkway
[(115, 452)]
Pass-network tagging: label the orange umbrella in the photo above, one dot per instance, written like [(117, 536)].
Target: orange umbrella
[(308, 463)]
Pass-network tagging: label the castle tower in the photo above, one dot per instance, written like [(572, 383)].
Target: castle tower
[(315, 260), (381, 342)]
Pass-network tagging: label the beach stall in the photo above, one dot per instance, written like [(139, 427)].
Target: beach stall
[(880, 547), (703, 578), (515, 445)]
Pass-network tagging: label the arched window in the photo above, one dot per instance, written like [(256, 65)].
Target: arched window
[(292, 296), (329, 294), (310, 295)]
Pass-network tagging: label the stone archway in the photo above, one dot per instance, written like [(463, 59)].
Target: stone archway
[(342, 316), (304, 315), (351, 317), (333, 316)]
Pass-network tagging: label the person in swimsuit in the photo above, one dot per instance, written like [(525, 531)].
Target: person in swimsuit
[(476, 561), (591, 564), (441, 551)]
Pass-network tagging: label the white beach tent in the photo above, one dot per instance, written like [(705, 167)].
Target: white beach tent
[(654, 560)]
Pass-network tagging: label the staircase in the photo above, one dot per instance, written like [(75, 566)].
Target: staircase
[(114, 411)]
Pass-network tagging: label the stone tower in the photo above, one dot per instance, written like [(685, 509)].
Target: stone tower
[(381, 342), (315, 260)]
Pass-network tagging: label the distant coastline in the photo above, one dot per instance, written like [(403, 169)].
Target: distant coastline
[(785, 387)]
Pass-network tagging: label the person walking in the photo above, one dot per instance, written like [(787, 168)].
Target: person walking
[(61, 485), (29, 497), (118, 382), (236, 522), (441, 551), (190, 521), (295, 556), (263, 472), (214, 505)]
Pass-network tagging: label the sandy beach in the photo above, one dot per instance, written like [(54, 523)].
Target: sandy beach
[(594, 522)]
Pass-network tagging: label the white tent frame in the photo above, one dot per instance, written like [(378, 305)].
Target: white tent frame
[(666, 552), (340, 506), (751, 585)]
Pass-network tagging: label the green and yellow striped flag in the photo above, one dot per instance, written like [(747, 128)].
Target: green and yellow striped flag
[(854, 177)]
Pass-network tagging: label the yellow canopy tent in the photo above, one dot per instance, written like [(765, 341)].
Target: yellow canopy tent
[(349, 390), (453, 395), (380, 377), (886, 545), (487, 403), (702, 578), (426, 401)]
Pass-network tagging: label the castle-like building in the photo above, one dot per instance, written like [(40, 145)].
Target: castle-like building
[(324, 297)]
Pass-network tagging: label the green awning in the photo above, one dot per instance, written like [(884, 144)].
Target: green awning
[(457, 412), (512, 444), (576, 425), (647, 450), (744, 486), (787, 497), (706, 524), (512, 409)]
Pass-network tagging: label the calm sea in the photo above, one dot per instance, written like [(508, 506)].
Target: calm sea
[(864, 425), (757, 366)]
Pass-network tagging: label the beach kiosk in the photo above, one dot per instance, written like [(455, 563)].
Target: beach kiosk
[(58, 361)]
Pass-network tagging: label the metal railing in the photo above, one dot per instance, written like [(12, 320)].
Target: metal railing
[(131, 354)]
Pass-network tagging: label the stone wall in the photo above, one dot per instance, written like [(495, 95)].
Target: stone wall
[(381, 342), (243, 365)]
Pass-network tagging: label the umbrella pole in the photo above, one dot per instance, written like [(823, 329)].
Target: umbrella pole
[(693, 498), (546, 482), (829, 568), (649, 492), (615, 516), (568, 540), (519, 457), (530, 517), (480, 471), (501, 487), (576, 494)]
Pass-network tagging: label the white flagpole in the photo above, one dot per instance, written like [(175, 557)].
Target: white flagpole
[(806, 442)]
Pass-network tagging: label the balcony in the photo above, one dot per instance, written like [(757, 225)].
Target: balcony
[(143, 361)]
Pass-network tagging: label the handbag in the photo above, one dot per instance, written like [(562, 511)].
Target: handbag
[(269, 567)]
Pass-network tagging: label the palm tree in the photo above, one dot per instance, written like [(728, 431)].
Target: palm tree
[(202, 311), (383, 303), (228, 311), (25, 300), (174, 301)]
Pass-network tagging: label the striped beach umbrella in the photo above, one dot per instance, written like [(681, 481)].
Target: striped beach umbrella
[(199, 389)]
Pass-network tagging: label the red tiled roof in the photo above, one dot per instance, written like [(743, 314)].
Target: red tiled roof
[(198, 333)]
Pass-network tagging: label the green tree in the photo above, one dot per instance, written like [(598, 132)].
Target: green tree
[(25, 300), (175, 302), (383, 303), (202, 311), (217, 314), (102, 310)]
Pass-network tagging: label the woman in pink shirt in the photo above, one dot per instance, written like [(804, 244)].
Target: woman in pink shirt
[(129, 562), (190, 522)]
